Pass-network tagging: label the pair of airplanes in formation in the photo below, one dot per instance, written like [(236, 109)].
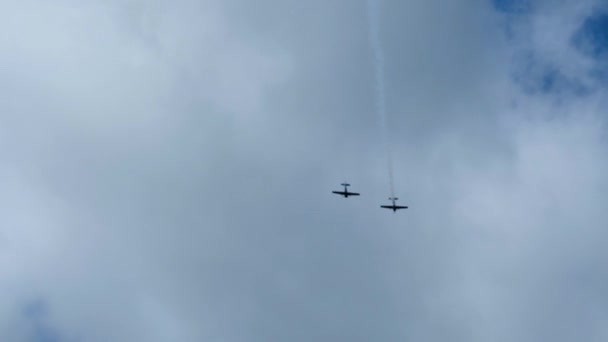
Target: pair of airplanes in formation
[(394, 207)]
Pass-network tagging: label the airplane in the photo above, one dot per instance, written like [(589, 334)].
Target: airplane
[(346, 193), (394, 206)]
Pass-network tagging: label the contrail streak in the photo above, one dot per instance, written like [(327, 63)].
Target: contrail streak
[(373, 12)]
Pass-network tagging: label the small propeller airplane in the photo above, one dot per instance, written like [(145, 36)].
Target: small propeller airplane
[(394, 206), (346, 193)]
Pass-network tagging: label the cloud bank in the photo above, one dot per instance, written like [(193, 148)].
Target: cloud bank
[(167, 166)]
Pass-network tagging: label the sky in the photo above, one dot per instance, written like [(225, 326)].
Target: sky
[(167, 166)]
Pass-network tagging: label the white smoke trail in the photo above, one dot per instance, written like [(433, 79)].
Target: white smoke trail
[(373, 11)]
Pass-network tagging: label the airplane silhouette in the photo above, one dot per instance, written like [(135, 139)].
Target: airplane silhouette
[(394, 206), (346, 193)]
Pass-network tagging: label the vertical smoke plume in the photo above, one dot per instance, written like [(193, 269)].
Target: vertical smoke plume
[(373, 12)]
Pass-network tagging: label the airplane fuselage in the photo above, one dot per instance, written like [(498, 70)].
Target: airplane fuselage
[(394, 207), (345, 193)]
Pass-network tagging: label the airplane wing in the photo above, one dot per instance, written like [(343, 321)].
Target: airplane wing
[(339, 192), (353, 193), (386, 206), (400, 207)]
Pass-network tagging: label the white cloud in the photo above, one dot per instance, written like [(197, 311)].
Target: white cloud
[(167, 166)]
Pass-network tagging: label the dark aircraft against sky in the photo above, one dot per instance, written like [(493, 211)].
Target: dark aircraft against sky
[(394, 206), (346, 193)]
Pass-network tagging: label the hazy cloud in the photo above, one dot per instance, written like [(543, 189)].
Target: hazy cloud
[(167, 169)]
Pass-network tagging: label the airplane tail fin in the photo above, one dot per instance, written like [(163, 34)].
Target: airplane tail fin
[(345, 184)]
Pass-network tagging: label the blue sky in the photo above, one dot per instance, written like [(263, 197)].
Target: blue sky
[(518, 7), (36, 313), (592, 37), (537, 75), (167, 170)]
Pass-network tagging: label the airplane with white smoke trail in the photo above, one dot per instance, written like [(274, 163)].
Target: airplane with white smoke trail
[(394, 207)]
